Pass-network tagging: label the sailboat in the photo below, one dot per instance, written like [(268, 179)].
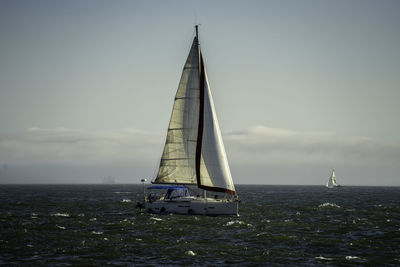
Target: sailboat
[(194, 154), (332, 181)]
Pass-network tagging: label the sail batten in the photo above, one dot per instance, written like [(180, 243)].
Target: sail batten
[(177, 159)]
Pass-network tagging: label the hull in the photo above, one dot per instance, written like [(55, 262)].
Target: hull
[(193, 206), (333, 186)]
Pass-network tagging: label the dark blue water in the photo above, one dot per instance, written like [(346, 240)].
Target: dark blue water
[(278, 225)]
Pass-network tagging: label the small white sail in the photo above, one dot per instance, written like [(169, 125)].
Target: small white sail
[(332, 182)]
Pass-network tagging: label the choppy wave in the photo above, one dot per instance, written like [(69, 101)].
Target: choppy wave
[(97, 232), (349, 258), (327, 204), (60, 214), (262, 233), (323, 258), (278, 226), (190, 253), (237, 222)]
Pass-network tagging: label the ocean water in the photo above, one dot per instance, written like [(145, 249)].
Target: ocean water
[(97, 225)]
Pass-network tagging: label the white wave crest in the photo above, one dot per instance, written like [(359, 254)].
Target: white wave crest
[(97, 233), (262, 233), (190, 253), (352, 258), (60, 214), (230, 223), (323, 258), (327, 204), (126, 200)]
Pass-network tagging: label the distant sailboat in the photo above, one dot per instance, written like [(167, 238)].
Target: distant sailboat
[(194, 153), (332, 182)]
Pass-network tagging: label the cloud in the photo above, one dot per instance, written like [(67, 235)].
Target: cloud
[(262, 144), (257, 144), (256, 155), (68, 146)]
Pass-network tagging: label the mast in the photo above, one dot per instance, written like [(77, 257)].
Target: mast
[(201, 114)]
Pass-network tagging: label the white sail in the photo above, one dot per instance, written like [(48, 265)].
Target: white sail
[(332, 180), (215, 174), (194, 152), (178, 159)]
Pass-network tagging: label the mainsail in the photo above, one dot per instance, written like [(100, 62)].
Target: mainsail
[(178, 158), (194, 152)]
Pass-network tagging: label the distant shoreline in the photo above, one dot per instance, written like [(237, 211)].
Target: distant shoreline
[(119, 184)]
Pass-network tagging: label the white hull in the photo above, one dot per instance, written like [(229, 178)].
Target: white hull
[(332, 186), (193, 206)]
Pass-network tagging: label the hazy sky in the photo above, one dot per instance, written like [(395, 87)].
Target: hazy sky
[(300, 87)]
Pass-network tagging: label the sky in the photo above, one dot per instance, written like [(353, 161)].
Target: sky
[(300, 87)]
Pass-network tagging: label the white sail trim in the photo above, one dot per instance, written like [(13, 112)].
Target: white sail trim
[(214, 167), (177, 164)]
